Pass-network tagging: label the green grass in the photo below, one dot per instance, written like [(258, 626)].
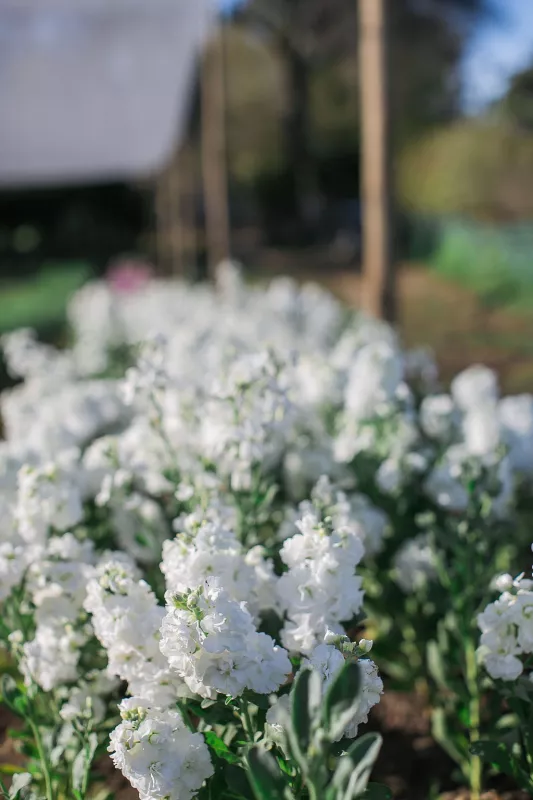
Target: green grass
[(41, 301), (495, 263)]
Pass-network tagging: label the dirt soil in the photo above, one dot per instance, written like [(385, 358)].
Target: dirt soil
[(411, 764)]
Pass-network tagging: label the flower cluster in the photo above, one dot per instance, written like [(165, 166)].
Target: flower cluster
[(507, 628), (203, 495), (211, 642), (157, 753)]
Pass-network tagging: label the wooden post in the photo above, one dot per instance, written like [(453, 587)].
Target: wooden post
[(214, 166), (378, 267)]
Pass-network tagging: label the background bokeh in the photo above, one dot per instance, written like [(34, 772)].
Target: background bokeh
[(462, 119)]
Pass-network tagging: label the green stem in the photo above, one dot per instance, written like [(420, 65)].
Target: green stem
[(42, 759), (474, 717), (313, 792), (246, 719), (186, 717)]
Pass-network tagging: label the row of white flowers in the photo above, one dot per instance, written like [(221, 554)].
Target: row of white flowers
[(201, 526)]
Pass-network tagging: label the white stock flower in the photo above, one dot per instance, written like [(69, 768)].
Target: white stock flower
[(415, 564), (212, 643), (474, 387), (507, 629), (214, 550), (158, 754), (320, 589), (126, 620), (48, 499)]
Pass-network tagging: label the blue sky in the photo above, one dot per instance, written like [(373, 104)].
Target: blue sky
[(500, 48)]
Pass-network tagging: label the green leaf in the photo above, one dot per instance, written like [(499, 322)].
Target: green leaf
[(266, 777), (20, 781), (237, 781), (377, 791), (436, 664), (259, 700), (11, 769), (342, 700), (498, 755), (13, 696), (306, 699), (442, 735), (354, 768), (219, 748), (82, 764)]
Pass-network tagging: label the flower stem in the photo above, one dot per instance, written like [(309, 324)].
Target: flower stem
[(246, 719), (42, 759), (474, 716)]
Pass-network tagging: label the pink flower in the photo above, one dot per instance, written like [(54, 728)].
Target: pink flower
[(128, 275)]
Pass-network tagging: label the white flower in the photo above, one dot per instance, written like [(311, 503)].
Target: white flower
[(474, 387), (48, 498), (415, 564), (516, 419), (126, 620), (158, 754), (211, 642), (374, 378), (14, 561), (507, 629), (214, 550), (86, 699), (321, 588), (439, 417), (51, 658)]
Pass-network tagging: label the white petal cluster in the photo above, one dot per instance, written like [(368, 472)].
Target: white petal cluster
[(48, 499), (55, 585), (415, 563), (51, 658), (86, 699), (507, 629), (157, 753), (126, 619), (321, 589), (212, 643), (14, 560), (205, 549)]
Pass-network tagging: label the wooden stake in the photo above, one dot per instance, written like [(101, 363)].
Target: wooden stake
[(214, 167), (378, 267)]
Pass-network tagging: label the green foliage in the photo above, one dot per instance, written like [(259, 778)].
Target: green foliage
[(312, 729), (480, 169), (41, 301), (493, 262)]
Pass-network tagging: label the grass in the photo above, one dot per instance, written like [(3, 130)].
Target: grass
[(494, 262), (41, 301)]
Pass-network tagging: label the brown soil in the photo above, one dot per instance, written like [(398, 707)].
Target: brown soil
[(464, 795), (410, 762)]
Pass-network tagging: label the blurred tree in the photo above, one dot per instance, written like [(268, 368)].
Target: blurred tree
[(312, 38), (479, 169), (517, 104)]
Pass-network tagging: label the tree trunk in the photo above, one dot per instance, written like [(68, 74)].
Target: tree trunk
[(378, 264), (214, 163)]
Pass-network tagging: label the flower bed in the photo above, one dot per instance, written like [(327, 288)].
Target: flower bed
[(230, 516)]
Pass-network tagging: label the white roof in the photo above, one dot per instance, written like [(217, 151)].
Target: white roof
[(94, 89)]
